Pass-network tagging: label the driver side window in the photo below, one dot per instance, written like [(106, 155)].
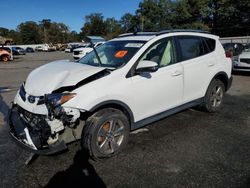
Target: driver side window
[(161, 52)]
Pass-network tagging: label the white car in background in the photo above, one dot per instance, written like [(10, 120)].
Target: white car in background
[(78, 53), (243, 62), (49, 48)]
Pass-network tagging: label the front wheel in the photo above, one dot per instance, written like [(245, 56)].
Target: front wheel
[(214, 96), (106, 132)]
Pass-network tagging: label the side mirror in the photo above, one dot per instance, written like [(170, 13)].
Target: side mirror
[(146, 66)]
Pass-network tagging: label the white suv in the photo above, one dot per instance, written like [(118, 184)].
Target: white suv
[(126, 83)]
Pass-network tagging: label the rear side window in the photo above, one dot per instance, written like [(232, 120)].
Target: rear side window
[(193, 46), (210, 44)]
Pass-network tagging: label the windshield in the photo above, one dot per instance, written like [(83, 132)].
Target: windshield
[(113, 54)]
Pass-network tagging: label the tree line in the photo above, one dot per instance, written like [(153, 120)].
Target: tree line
[(45, 31), (220, 17)]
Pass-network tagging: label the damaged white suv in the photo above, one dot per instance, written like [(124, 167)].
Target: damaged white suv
[(126, 83)]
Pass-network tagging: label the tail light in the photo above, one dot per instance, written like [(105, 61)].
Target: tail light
[(229, 54)]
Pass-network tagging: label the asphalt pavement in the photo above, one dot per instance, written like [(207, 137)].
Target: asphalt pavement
[(189, 149)]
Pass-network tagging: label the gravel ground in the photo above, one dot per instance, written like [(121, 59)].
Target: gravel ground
[(189, 149)]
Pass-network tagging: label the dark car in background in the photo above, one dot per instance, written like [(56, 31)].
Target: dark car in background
[(29, 50), (71, 48), (18, 51), (8, 49), (235, 48)]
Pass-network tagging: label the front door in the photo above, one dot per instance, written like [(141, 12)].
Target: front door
[(158, 91)]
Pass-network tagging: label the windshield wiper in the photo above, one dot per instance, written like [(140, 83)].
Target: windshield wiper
[(93, 46)]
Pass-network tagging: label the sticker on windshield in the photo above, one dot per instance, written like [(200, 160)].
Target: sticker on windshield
[(121, 53), (134, 45)]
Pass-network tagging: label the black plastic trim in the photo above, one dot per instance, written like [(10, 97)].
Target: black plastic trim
[(162, 32), (228, 84), (115, 102), (165, 114), (58, 147)]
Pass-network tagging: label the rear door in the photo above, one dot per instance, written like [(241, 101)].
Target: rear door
[(198, 63)]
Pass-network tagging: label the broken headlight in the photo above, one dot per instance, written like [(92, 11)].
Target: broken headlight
[(56, 100)]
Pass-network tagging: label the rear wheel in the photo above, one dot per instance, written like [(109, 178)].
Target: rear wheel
[(105, 133), (214, 96)]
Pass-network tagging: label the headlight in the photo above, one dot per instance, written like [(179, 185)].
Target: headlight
[(55, 100)]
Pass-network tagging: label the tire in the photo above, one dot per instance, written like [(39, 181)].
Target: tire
[(5, 58), (105, 133), (214, 97)]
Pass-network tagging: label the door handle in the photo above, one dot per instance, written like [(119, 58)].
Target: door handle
[(176, 73), (210, 64)]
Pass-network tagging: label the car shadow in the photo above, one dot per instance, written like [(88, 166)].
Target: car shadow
[(80, 174)]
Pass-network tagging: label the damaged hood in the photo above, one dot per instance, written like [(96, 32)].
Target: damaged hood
[(54, 75)]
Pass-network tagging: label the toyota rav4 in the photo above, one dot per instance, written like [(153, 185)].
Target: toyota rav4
[(128, 82)]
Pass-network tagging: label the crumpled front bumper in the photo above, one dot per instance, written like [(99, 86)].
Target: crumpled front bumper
[(20, 134)]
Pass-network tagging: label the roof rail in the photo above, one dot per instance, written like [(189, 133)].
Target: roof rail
[(181, 30), (137, 34), (161, 32)]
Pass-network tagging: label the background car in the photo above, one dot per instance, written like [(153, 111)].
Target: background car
[(39, 48), (236, 48), (243, 61), (7, 49), (70, 48), (80, 52), (5, 56), (29, 50), (48, 48), (18, 51)]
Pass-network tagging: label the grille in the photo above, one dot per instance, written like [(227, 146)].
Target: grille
[(40, 99), (244, 60), (76, 52)]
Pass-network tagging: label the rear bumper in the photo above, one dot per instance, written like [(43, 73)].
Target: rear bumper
[(19, 133)]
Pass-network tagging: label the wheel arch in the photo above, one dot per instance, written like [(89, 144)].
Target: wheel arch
[(117, 105), (222, 76)]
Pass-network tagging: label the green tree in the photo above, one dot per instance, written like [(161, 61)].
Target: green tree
[(113, 28), (230, 18), (29, 32), (128, 21), (190, 14), (45, 25), (4, 31), (73, 36), (57, 33), (94, 25)]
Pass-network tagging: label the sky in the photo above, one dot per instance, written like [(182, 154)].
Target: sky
[(70, 12)]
